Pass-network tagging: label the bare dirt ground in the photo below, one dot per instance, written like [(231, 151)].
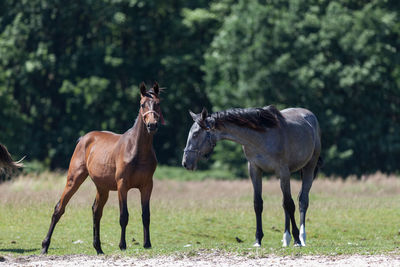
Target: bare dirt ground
[(206, 259)]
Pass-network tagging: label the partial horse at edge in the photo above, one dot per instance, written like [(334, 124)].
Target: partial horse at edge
[(8, 167)]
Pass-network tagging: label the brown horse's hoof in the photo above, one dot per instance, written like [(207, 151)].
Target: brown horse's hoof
[(45, 246), (122, 247), (147, 246)]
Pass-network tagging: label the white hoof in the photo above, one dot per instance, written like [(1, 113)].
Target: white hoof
[(257, 245), (286, 239), (302, 235)]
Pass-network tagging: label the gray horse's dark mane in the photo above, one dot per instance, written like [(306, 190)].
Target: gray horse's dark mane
[(254, 118)]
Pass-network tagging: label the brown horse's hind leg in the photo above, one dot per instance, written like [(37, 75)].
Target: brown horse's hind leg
[(145, 193), (97, 208), (73, 183)]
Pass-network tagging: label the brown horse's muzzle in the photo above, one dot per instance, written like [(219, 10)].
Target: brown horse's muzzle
[(152, 127), (151, 119)]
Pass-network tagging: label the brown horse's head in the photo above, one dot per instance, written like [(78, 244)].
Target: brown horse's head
[(150, 110)]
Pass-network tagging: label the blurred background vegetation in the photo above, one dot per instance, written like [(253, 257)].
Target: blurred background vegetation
[(69, 67)]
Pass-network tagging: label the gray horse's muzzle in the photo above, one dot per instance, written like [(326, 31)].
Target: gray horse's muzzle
[(189, 163)]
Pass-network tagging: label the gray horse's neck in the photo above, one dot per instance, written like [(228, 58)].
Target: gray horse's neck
[(240, 135)]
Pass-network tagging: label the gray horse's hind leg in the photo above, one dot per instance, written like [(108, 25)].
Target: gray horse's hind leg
[(289, 207), (286, 235), (256, 175), (307, 180)]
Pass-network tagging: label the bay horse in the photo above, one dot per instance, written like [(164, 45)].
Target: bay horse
[(115, 162), (276, 141), (7, 165)]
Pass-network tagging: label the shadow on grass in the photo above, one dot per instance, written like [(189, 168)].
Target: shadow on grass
[(18, 250)]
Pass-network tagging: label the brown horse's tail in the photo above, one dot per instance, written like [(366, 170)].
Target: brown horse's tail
[(320, 163), (7, 164)]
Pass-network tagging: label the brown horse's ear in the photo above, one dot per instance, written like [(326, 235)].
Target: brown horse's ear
[(156, 88), (142, 89), (204, 113)]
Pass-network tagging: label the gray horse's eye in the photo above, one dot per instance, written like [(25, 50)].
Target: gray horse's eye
[(195, 134)]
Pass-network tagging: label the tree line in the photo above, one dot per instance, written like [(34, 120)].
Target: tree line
[(69, 67)]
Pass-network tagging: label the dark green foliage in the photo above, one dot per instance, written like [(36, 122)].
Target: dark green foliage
[(67, 68), (70, 67)]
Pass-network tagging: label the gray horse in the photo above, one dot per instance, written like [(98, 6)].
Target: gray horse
[(273, 141)]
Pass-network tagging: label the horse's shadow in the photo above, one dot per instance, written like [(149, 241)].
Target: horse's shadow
[(18, 250)]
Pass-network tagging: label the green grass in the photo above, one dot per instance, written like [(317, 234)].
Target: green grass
[(180, 174), (187, 217)]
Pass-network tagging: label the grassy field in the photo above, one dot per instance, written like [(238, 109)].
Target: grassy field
[(344, 217)]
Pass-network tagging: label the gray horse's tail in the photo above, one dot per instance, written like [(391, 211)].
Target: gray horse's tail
[(320, 163), (7, 164)]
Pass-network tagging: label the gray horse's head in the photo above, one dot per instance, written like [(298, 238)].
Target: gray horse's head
[(201, 139)]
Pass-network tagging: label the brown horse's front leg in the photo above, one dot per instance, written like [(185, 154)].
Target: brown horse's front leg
[(123, 214), (145, 194)]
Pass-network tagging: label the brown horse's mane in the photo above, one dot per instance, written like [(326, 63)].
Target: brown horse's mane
[(254, 118)]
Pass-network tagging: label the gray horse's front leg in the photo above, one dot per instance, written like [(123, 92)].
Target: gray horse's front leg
[(256, 175)]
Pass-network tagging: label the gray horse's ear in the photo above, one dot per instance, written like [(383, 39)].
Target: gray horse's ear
[(204, 114), (142, 89), (194, 116)]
